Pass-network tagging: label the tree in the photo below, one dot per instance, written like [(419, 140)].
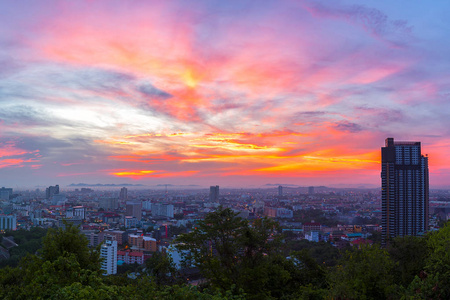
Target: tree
[(246, 257), (162, 268), (214, 246), (434, 281), (410, 254), (363, 274), (69, 240), (64, 261)]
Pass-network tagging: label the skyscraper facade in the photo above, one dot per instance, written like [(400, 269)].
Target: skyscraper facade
[(5, 193), (123, 194), (214, 193), (108, 253), (8, 222), (134, 209), (405, 189), (51, 190)]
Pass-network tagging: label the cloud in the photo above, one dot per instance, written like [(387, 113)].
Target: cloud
[(374, 21), (347, 126), (13, 155), (282, 90), (152, 92)]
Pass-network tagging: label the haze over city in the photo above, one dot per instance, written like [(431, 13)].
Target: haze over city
[(233, 93)]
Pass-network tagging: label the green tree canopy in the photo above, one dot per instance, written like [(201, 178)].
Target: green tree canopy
[(69, 240), (235, 254), (434, 281), (364, 274)]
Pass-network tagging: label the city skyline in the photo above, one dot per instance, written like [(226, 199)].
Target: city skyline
[(228, 93)]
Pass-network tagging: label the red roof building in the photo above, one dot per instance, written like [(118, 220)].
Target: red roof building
[(131, 257)]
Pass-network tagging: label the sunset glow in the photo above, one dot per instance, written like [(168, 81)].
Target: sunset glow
[(234, 93)]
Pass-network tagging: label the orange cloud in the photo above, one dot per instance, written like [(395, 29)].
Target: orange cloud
[(139, 174), (11, 155), (11, 162)]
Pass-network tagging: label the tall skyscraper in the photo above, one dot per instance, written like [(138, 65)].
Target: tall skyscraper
[(123, 194), (404, 189), (214, 193), (280, 191)]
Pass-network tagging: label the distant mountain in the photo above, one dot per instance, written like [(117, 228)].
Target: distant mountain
[(105, 184)]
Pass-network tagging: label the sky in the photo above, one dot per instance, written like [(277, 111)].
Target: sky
[(235, 93)]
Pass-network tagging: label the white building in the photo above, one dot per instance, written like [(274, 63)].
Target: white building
[(108, 253), (79, 211), (313, 236)]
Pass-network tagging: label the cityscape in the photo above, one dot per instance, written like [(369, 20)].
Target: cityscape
[(224, 150)]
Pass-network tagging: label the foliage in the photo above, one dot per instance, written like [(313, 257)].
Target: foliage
[(29, 241), (324, 253), (236, 255), (409, 253), (363, 274), (68, 240), (434, 281), (162, 268), (129, 268), (214, 246)]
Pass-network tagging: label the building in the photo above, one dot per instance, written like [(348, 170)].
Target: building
[(214, 193), (311, 190), (5, 193), (108, 254), (130, 257), (108, 203), (145, 243), (123, 196), (147, 205), (134, 209), (119, 236), (8, 222), (404, 189), (51, 190), (130, 222), (312, 226), (164, 210), (278, 212), (280, 191), (79, 212), (313, 236)]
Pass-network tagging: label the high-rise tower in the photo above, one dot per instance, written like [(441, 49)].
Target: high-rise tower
[(404, 189), (123, 196), (108, 252), (214, 193)]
